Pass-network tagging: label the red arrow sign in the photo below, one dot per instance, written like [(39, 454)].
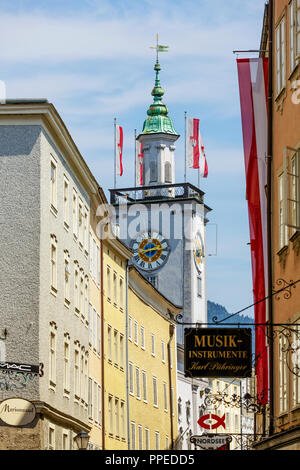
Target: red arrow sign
[(220, 421)]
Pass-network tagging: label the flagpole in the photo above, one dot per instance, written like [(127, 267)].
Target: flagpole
[(135, 162), (185, 146), (115, 153)]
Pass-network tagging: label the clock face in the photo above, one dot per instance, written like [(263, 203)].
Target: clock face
[(198, 251), (150, 251)]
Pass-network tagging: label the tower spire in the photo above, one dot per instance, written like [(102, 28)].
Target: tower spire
[(158, 120)]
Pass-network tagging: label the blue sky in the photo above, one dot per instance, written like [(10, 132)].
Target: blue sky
[(91, 59)]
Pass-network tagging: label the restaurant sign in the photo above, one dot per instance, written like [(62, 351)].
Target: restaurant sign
[(217, 352)]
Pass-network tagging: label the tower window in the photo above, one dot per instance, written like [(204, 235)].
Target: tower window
[(168, 171), (153, 172)]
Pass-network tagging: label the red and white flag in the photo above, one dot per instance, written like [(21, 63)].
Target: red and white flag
[(192, 143), (203, 162), (195, 151), (139, 163), (253, 84), (119, 150)]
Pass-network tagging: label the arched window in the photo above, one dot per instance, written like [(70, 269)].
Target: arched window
[(168, 171)]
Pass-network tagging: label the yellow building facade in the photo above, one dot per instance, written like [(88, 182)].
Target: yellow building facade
[(114, 264), (152, 411)]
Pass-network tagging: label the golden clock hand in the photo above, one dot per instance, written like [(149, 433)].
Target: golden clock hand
[(151, 249)]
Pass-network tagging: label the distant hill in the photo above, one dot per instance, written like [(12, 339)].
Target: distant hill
[(219, 311)]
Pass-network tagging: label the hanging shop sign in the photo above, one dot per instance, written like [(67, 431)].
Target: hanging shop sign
[(211, 421), (212, 441), (23, 368), (217, 352), (17, 412)]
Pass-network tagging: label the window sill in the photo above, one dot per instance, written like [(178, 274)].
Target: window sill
[(67, 303), (53, 291), (66, 226), (282, 254), (293, 73), (53, 210)]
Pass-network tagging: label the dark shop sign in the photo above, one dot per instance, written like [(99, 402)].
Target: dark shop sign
[(217, 352), (17, 367)]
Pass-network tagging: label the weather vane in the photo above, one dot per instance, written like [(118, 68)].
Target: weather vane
[(159, 48)]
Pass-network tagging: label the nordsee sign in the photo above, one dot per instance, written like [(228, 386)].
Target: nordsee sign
[(17, 412), (217, 352)]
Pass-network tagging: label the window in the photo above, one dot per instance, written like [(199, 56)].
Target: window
[(91, 253), (295, 362), (90, 398), (66, 366), (110, 414), (283, 374), (98, 266), (199, 286), (168, 172), (86, 231), (155, 396), (67, 278), (95, 401), (81, 222), (75, 214), (121, 351), (153, 172), (76, 288), (167, 443), (81, 300), (131, 384), (53, 263), (53, 184), (66, 202), (116, 352), (65, 440), (90, 324), (52, 357), (281, 206), (123, 435), (280, 55), (132, 428), (144, 379), (76, 374), (130, 329), (94, 329), (294, 33), (157, 440), (142, 337), (289, 190), (297, 26), (98, 333), (163, 351), (137, 382), (121, 293), (115, 287), (99, 405), (86, 298), (94, 260), (117, 417), (140, 437), (136, 334), (51, 437), (152, 344), (147, 439), (109, 343), (108, 281), (165, 396)]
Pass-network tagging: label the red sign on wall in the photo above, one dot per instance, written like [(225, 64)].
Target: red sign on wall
[(206, 421)]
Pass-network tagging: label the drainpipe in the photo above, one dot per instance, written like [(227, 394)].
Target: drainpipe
[(102, 345), (171, 336), (269, 213), (127, 359)]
